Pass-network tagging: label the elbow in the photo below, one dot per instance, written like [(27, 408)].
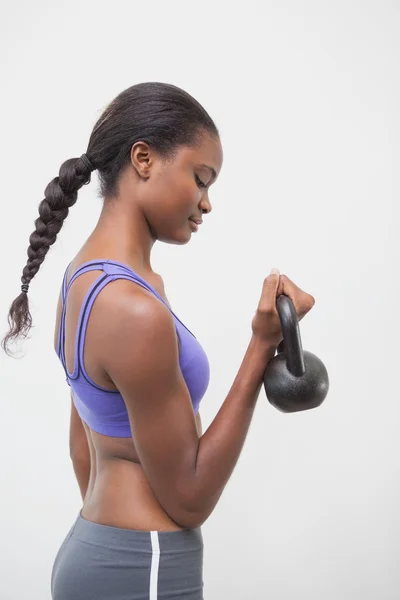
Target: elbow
[(189, 520), (191, 513)]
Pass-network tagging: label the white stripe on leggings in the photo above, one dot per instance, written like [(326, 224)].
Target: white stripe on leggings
[(155, 563)]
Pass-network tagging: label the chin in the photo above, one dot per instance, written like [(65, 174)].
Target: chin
[(177, 242), (180, 238)]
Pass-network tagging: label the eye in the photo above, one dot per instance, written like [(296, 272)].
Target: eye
[(199, 182)]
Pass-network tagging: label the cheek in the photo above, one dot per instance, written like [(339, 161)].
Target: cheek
[(181, 198), (188, 200), (172, 198)]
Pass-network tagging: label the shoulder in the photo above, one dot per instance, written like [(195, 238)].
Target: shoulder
[(132, 319), (124, 299)]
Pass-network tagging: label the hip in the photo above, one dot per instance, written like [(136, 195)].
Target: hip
[(101, 561)]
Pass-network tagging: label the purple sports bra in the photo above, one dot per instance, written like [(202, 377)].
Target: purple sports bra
[(104, 410)]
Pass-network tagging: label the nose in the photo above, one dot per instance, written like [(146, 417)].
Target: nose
[(205, 204)]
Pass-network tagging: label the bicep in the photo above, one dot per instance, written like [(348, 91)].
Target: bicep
[(143, 362)]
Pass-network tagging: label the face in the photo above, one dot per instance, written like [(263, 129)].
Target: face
[(175, 193)]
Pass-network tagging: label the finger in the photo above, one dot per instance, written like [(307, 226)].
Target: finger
[(288, 285), (303, 302), (279, 291), (291, 289)]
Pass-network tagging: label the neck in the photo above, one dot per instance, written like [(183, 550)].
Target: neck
[(123, 234)]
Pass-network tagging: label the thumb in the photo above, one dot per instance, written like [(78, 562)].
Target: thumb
[(270, 288), (275, 277)]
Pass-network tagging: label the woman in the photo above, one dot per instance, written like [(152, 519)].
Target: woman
[(136, 373)]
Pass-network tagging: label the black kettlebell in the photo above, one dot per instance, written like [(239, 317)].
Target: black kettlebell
[(294, 379)]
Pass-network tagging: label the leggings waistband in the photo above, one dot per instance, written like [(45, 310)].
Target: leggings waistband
[(135, 539)]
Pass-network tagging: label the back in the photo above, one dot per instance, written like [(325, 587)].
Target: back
[(102, 409)]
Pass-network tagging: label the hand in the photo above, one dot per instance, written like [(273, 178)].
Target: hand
[(266, 324)]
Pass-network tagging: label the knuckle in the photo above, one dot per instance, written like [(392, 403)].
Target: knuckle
[(265, 310), (308, 303), (311, 300)]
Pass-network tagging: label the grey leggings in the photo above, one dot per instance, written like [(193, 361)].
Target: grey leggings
[(99, 562)]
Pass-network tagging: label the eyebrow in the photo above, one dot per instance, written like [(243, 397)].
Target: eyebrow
[(211, 169)]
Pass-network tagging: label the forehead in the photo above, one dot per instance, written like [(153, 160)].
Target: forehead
[(208, 150)]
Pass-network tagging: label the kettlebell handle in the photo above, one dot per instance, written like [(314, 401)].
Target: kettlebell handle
[(291, 344)]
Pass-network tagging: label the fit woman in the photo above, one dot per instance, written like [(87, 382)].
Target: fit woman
[(137, 374)]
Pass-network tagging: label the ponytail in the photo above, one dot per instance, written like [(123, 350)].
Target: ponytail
[(60, 194), (160, 114)]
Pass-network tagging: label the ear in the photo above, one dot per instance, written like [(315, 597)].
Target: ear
[(142, 159)]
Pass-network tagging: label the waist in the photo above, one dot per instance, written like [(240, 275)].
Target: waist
[(120, 496)]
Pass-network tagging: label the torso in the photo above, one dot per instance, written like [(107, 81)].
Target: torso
[(118, 493)]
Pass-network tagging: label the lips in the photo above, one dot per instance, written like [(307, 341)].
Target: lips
[(197, 221)]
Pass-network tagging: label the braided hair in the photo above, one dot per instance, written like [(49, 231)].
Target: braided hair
[(160, 114)]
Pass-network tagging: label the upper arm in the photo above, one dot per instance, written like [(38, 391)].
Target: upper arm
[(140, 355)]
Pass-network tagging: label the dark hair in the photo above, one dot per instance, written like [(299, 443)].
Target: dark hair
[(160, 114)]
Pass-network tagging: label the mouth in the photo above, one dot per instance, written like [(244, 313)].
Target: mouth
[(194, 225)]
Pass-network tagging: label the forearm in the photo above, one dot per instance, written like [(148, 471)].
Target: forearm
[(220, 446)]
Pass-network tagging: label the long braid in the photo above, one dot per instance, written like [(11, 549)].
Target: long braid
[(60, 194), (159, 114)]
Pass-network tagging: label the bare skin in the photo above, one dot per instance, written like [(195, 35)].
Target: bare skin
[(169, 476), (155, 202)]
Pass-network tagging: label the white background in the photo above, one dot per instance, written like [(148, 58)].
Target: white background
[(306, 96)]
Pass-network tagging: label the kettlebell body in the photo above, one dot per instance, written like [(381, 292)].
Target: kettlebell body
[(294, 380), (290, 393)]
